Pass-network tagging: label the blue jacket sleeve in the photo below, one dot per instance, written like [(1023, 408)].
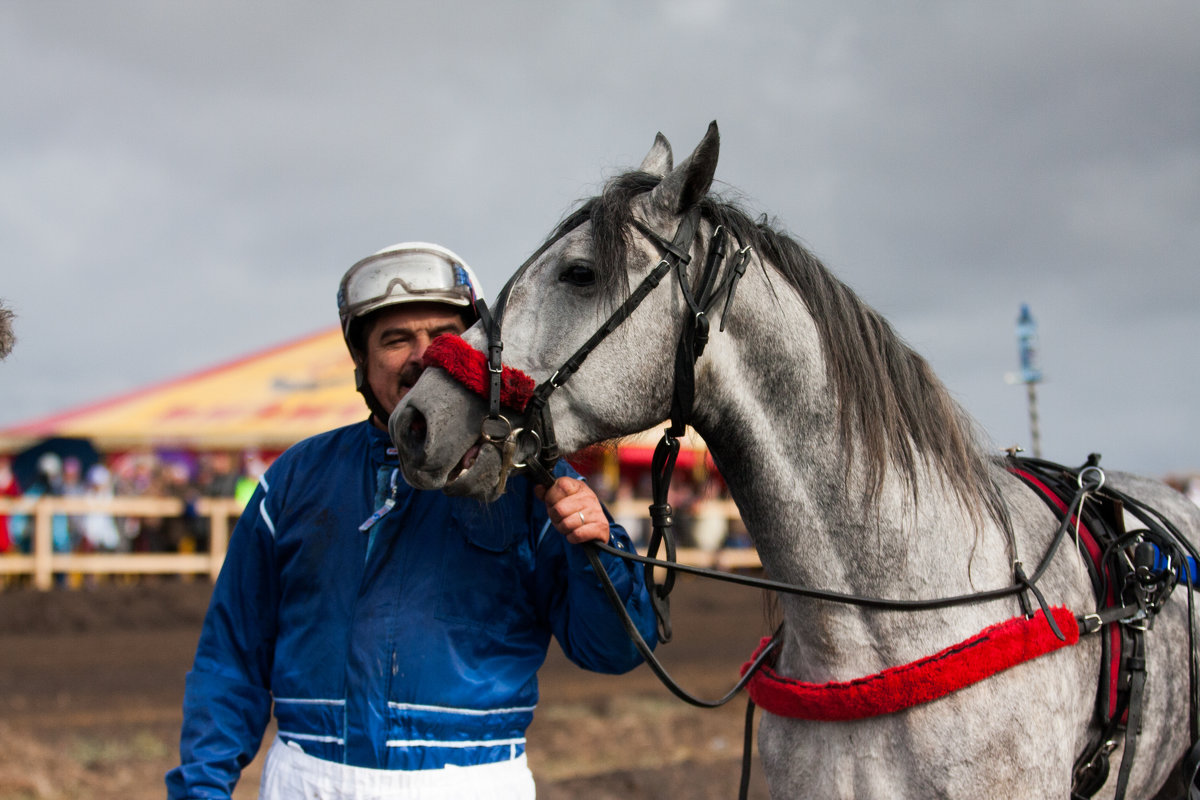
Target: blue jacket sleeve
[(227, 698), (589, 630)]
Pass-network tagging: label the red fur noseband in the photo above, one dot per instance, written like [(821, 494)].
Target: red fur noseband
[(995, 649), (468, 366)]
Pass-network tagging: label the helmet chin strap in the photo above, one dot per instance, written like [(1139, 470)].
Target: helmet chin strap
[(364, 388)]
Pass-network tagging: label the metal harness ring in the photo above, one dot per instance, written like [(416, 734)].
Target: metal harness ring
[(1098, 478), (501, 429), (537, 445)]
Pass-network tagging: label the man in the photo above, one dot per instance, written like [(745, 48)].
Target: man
[(396, 632)]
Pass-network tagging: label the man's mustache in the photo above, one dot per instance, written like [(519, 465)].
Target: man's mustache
[(409, 375)]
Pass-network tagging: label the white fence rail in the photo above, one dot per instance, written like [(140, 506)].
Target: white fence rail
[(42, 563)]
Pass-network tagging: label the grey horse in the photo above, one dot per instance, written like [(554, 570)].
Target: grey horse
[(853, 469)]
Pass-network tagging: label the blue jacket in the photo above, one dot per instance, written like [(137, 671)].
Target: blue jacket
[(411, 645)]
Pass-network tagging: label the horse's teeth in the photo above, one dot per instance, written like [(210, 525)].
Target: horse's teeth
[(469, 458)]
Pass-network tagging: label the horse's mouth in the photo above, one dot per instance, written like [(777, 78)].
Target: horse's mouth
[(476, 474), (464, 464)]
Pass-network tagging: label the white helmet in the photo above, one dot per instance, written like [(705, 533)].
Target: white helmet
[(409, 272), (50, 464)]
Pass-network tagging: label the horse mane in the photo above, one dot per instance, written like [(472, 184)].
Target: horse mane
[(890, 402)]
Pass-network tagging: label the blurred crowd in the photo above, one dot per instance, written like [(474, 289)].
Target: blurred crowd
[(702, 510), (185, 476), (698, 497)]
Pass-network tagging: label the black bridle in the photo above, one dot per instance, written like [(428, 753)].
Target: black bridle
[(540, 425), (676, 256)]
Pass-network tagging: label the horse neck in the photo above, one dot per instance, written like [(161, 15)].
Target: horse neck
[(768, 414)]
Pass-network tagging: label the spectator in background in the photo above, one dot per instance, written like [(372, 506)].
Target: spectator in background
[(253, 469), (99, 528), (8, 488), (73, 486), (121, 470), (218, 475), (182, 534), (48, 483), (710, 526), (682, 496), (140, 474), (739, 536)]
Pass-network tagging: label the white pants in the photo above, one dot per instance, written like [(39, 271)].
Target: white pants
[(290, 774)]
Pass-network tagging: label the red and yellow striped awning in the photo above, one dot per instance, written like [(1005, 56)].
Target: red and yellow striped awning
[(269, 400)]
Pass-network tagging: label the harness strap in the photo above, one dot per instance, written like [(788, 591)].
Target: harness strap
[(494, 360), (1191, 771), (1133, 574), (691, 344), (472, 369), (747, 751), (495, 428), (1069, 517), (591, 549), (662, 521), (1097, 620), (572, 364), (1136, 666), (1091, 769), (677, 250), (1182, 553), (731, 281)]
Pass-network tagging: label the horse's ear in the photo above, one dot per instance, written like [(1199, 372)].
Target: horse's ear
[(659, 160), (683, 186)]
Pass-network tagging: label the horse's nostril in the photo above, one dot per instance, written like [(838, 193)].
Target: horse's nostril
[(415, 431)]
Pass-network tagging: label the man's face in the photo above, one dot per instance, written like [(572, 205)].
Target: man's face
[(396, 339)]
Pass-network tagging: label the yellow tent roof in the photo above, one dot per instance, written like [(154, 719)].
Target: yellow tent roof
[(269, 400)]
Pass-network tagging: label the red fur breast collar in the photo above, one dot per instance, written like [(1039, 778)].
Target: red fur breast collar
[(994, 650), (469, 367)]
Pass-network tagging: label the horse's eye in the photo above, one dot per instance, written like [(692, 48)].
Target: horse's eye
[(578, 274)]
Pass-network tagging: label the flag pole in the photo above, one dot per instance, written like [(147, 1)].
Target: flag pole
[(1031, 375)]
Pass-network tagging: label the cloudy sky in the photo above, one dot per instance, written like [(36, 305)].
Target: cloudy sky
[(181, 184)]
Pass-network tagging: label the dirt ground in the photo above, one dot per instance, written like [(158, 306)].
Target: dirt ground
[(91, 683)]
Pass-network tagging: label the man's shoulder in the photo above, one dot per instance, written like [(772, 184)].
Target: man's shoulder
[(326, 445)]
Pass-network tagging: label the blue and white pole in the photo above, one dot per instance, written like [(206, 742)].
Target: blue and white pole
[(1031, 374)]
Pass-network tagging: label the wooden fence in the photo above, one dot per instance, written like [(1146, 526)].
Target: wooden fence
[(42, 563)]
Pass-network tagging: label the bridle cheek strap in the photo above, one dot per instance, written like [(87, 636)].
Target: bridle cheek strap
[(469, 367)]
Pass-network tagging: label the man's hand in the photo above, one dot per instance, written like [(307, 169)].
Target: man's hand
[(575, 510)]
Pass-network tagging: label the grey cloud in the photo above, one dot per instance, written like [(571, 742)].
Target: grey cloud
[(180, 184)]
